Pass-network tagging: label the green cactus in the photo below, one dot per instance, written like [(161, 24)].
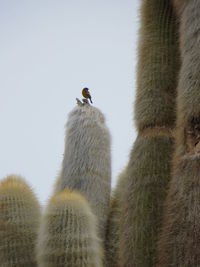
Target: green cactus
[(158, 66), (68, 233), (148, 171), (179, 243), (78, 220), (19, 222), (86, 164), (112, 241)]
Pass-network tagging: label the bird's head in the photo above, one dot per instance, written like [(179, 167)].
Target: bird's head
[(85, 90)]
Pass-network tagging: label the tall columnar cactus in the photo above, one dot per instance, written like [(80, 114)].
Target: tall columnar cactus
[(148, 171), (19, 223), (68, 233), (179, 244), (86, 164), (112, 241)]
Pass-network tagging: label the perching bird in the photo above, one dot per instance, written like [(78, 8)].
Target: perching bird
[(86, 94)]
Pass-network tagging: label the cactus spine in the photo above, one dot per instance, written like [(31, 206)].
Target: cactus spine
[(19, 222), (68, 233), (179, 243), (112, 242), (86, 165), (148, 170)]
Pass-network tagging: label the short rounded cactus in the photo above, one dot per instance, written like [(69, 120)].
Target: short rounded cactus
[(19, 223), (68, 233)]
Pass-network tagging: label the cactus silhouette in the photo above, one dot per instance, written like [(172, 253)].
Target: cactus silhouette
[(19, 222), (86, 164), (179, 243), (148, 171), (68, 233), (112, 241)]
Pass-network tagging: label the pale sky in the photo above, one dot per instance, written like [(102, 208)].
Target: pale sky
[(49, 51)]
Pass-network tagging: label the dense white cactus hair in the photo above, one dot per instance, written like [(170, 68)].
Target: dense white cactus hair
[(86, 165)]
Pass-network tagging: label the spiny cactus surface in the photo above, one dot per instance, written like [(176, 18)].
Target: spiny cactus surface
[(86, 164), (19, 223), (68, 233), (112, 242), (179, 243), (148, 171), (147, 177), (158, 65)]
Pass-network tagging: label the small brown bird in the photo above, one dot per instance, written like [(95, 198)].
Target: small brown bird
[(86, 93)]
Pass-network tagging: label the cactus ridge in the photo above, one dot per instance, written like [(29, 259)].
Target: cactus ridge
[(112, 242)]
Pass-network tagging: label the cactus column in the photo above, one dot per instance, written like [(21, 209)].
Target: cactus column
[(179, 243), (148, 171), (86, 164)]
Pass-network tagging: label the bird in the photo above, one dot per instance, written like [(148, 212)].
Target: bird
[(86, 94)]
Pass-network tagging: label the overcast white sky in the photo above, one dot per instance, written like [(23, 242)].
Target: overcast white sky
[(49, 50)]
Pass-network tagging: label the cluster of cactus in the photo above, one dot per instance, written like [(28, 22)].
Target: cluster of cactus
[(152, 216)]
